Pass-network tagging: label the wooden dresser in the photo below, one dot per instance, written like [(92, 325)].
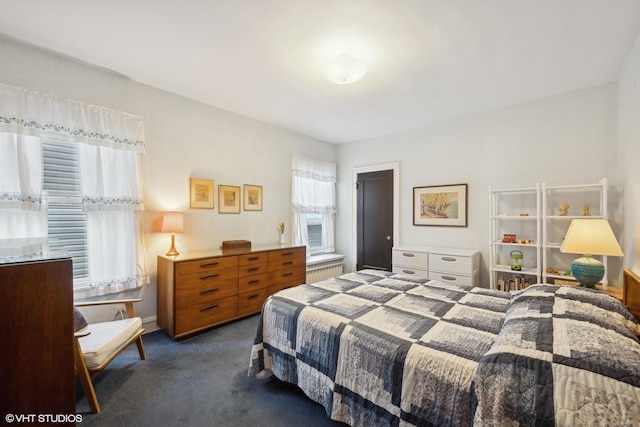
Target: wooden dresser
[(201, 290), (36, 314)]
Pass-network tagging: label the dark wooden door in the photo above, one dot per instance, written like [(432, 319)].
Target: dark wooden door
[(375, 220)]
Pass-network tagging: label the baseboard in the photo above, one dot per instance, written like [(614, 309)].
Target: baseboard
[(150, 324)]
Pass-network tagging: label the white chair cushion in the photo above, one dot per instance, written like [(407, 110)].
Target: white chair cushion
[(105, 338)]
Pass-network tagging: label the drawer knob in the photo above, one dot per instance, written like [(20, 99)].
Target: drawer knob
[(251, 270), (450, 278), (448, 259), (254, 258), (408, 254), (209, 277), (287, 274), (209, 291), (408, 272), (252, 296), (287, 263), (209, 307), (287, 254), (253, 282)]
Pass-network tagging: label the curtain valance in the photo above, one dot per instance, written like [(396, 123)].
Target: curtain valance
[(46, 116)]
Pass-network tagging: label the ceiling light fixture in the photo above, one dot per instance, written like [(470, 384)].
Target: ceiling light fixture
[(345, 69)]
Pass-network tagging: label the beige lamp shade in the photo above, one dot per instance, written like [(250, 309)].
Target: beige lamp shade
[(592, 237), (172, 222)]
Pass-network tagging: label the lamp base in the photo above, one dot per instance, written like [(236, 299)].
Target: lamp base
[(173, 251), (588, 271)]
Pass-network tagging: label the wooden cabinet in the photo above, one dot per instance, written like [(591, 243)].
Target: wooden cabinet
[(36, 314), (199, 291)]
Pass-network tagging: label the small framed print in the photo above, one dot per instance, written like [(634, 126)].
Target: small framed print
[(252, 197), (228, 199), (201, 193), (443, 205)]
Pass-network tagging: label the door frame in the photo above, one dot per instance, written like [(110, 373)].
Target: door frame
[(395, 167)]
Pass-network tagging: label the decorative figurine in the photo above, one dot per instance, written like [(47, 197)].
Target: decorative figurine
[(585, 210), (563, 208)]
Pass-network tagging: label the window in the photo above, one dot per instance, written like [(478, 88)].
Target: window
[(66, 219), (71, 172), (314, 231), (313, 199)]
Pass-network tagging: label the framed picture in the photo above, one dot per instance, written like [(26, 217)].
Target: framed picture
[(228, 199), (252, 197), (443, 205), (201, 191)]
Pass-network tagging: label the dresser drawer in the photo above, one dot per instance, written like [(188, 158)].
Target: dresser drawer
[(451, 278), (205, 265), (193, 317), (287, 258), (247, 270), (410, 271), (450, 263), (410, 258), (294, 275), (251, 302), (206, 279), (254, 258), (203, 294), (252, 283)]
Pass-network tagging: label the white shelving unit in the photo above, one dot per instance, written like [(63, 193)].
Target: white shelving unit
[(515, 211), (555, 225)]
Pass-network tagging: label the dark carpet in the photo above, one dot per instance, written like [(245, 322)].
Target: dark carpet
[(201, 381)]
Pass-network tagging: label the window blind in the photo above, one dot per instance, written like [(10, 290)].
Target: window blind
[(66, 219)]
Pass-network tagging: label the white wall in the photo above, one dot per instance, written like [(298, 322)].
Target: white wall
[(629, 156), (184, 139), (566, 139)]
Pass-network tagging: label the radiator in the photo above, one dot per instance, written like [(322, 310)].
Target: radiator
[(318, 272)]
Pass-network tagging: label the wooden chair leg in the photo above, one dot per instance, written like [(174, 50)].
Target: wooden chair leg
[(143, 355), (85, 379)]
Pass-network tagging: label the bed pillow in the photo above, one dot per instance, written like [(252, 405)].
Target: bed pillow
[(576, 303)]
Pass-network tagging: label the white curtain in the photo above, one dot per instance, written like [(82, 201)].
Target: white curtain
[(313, 192), (21, 214), (110, 145)]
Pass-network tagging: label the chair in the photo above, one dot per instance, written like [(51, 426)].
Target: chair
[(97, 344)]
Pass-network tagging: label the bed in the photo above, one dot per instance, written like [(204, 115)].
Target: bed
[(379, 348)]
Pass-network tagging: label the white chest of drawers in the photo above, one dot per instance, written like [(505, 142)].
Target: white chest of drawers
[(411, 261), (444, 264), (455, 265)]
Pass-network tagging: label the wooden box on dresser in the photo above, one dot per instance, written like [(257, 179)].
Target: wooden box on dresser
[(201, 290), (36, 313)]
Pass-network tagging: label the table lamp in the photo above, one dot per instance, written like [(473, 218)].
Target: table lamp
[(172, 222), (589, 237)]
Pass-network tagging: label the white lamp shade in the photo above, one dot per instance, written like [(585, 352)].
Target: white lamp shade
[(592, 237), (345, 69), (172, 222)]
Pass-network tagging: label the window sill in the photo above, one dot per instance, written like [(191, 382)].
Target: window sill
[(324, 258)]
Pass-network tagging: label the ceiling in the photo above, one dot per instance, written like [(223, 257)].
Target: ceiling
[(427, 59)]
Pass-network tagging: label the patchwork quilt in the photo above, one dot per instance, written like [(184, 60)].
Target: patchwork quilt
[(377, 348), (565, 356)]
